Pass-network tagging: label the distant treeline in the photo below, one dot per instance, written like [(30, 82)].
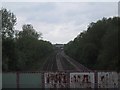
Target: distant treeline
[(97, 47), (21, 49)]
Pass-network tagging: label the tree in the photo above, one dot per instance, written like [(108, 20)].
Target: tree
[(29, 48), (8, 23), (97, 47), (8, 46), (29, 31), (21, 49)]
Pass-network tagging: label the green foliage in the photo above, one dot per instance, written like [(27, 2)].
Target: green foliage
[(29, 31), (97, 48), (8, 54), (8, 22), (31, 51), (21, 49), (7, 31)]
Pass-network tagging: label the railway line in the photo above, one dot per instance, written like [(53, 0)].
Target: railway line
[(59, 61), (50, 63)]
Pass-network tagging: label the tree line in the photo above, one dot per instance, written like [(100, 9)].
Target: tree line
[(97, 47), (21, 49)]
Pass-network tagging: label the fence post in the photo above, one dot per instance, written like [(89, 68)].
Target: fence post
[(17, 80), (96, 79)]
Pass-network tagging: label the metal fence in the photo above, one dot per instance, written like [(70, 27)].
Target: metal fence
[(9, 80), (22, 80), (107, 80), (56, 80), (30, 80), (61, 80), (82, 80)]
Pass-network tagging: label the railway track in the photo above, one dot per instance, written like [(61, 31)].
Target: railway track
[(65, 64), (59, 61), (50, 63), (77, 65)]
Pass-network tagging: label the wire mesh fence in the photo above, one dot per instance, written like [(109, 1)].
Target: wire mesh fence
[(107, 80), (72, 80), (9, 80), (56, 80), (82, 80)]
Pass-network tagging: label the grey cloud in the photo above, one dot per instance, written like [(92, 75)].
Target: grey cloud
[(61, 22)]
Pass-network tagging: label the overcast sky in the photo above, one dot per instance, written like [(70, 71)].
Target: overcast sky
[(60, 22)]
